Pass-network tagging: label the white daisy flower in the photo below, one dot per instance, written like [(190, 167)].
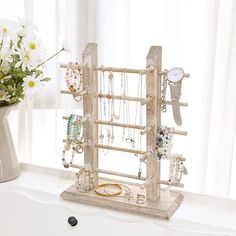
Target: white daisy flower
[(26, 27), (4, 96), (9, 28), (31, 42), (6, 54), (6, 59), (5, 27), (28, 59), (32, 85)]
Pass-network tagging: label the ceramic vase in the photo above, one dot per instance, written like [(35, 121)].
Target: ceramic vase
[(9, 167)]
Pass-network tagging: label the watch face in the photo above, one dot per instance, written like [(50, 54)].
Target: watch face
[(175, 74)]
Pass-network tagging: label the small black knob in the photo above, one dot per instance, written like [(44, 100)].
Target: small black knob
[(72, 221)]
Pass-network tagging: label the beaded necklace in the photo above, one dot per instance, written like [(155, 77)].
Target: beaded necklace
[(74, 79), (75, 136)]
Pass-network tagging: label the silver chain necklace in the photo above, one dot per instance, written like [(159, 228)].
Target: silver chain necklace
[(163, 94)]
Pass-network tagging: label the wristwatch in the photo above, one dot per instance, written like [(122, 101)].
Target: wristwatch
[(174, 77)]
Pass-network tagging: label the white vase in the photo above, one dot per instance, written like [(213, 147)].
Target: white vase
[(9, 167)]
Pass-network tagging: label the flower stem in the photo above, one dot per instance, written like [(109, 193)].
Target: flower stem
[(50, 58), (1, 43)]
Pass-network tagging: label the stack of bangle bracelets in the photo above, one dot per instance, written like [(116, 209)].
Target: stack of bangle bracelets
[(116, 190), (163, 143), (74, 137), (85, 179), (74, 79), (177, 168)]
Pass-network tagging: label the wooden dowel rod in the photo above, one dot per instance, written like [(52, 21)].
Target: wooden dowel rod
[(145, 156), (77, 166), (66, 92), (83, 144), (171, 183), (82, 120), (119, 174), (146, 183), (126, 182), (134, 99), (125, 70), (179, 157), (161, 72), (79, 93), (182, 104), (179, 132), (146, 130), (101, 122), (119, 149), (164, 73), (79, 66), (147, 100)]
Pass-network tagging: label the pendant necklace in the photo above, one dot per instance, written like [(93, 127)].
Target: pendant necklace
[(111, 110), (105, 151), (126, 108), (141, 90)]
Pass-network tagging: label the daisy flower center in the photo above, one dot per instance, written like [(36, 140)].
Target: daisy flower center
[(31, 84), (4, 30), (26, 57), (32, 45)]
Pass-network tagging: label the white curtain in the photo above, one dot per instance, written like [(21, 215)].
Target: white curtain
[(197, 35)]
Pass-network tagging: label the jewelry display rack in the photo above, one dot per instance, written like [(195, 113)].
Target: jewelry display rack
[(158, 202)]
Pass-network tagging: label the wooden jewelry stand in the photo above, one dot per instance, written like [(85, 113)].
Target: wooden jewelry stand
[(158, 203)]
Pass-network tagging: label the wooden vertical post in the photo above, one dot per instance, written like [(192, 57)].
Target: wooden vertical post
[(90, 108), (153, 117)]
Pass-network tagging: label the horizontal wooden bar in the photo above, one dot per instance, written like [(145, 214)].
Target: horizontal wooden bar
[(161, 72), (102, 122), (82, 120), (187, 75), (120, 181), (147, 182), (77, 166), (149, 98), (125, 70), (134, 99), (182, 104), (146, 130), (83, 144), (165, 182), (119, 149), (178, 157), (119, 174), (179, 132), (79, 66), (79, 93)]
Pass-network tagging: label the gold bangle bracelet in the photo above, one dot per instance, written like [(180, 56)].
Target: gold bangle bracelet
[(107, 194)]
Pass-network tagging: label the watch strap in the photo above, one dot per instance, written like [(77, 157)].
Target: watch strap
[(175, 90)]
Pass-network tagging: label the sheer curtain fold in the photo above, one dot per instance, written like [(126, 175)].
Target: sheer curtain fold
[(222, 119), (198, 35)]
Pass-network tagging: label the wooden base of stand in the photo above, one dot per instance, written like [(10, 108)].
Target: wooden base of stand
[(163, 208)]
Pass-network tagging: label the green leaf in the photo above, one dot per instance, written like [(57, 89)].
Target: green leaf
[(46, 79)]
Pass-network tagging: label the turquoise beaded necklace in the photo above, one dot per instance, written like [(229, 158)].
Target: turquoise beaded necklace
[(75, 136), (74, 132)]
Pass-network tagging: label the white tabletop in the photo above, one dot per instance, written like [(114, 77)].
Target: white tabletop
[(211, 213)]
